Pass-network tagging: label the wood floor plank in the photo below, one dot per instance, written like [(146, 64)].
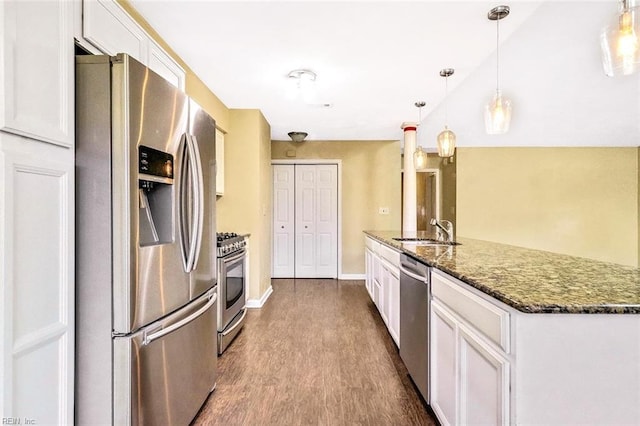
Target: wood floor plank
[(317, 353)]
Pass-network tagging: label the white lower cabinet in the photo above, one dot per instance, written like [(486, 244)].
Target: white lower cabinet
[(368, 264), (37, 275), (393, 317), (469, 374), (484, 381), (444, 365), (494, 365), (383, 283)]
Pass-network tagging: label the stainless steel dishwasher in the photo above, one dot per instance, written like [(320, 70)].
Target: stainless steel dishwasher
[(414, 321)]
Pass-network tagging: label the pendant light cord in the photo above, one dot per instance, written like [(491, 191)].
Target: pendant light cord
[(498, 55), (446, 101)]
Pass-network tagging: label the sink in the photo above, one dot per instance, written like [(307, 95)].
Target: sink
[(425, 241)]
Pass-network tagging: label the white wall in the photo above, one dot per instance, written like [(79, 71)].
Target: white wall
[(551, 69)]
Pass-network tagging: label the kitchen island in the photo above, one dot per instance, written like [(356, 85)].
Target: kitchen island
[(521, 336), (532, 281)]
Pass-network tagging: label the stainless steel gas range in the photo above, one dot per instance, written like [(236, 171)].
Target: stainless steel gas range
[(232, 287)]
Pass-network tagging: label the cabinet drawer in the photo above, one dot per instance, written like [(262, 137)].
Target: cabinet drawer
[(491, 320), (372, 244), (390, 255)]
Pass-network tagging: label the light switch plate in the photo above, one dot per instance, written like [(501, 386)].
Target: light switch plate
[(383, 210)]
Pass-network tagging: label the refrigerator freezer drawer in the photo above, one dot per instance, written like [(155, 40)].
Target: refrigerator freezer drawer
[(164, 372)]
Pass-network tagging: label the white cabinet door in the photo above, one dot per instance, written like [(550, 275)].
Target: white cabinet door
[(109, 28), (164, 65), (394, 305), (219, 162), (37, 275), (368, 258), (444, 368), (283, 265), (36, 70), (384, 293), (469, 379), (484, 382)]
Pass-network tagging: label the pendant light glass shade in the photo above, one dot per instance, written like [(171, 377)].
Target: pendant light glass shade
[(497, 115), (620, 41), (446, 138), (420, 158), (446, 143)]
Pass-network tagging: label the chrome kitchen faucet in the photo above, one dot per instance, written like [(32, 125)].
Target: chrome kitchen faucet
[(441, 229)]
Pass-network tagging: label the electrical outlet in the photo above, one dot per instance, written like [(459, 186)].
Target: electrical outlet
[(383, 210)]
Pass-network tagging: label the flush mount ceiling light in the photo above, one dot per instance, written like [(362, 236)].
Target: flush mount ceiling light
[(301, 84), (446, 138), (619, 41), (420, 155), (497, 113), (297, 136)]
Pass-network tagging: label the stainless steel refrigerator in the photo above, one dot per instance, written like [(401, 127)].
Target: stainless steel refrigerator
[(146, 299)]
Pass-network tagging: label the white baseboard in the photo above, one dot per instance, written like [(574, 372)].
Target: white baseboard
[(259, 303), (352, 277)]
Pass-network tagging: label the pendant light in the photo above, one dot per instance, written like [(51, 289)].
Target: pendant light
[(446, 138), (620, 41), (497, 113), (420, 155)]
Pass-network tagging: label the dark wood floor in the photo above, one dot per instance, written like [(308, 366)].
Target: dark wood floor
[(316, 353)]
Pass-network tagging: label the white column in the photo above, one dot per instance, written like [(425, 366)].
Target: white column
[(409, 179)]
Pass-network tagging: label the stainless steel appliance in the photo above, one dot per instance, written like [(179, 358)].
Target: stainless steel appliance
[(145, 262), (232, 286), (414, 321)]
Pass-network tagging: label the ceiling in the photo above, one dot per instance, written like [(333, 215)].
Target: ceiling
[(373, 60)]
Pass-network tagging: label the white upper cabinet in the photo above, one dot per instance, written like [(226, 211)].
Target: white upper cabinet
[(110, 29), (36, 70), (165, 66)]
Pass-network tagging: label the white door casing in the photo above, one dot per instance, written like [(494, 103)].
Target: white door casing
[(283, 265), (312, 216)]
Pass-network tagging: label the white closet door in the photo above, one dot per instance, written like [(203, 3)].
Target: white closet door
[(305, 221), (305, 228), (326, 218), (283, 221)]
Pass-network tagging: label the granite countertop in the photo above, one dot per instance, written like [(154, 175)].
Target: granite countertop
[(531, 281)]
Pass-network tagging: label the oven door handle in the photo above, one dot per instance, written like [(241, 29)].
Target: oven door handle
[(234, 257), (237, 323)]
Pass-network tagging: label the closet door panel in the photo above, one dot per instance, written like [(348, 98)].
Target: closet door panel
[(283, 221)]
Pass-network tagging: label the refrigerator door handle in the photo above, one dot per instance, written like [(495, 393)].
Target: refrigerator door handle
[(155, 335), (195, 187), (199, 209), (184, 203)]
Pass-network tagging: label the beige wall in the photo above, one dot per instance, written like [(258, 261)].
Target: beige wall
[(195, 88), (577, 201), (245, 206), (370, 179)]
